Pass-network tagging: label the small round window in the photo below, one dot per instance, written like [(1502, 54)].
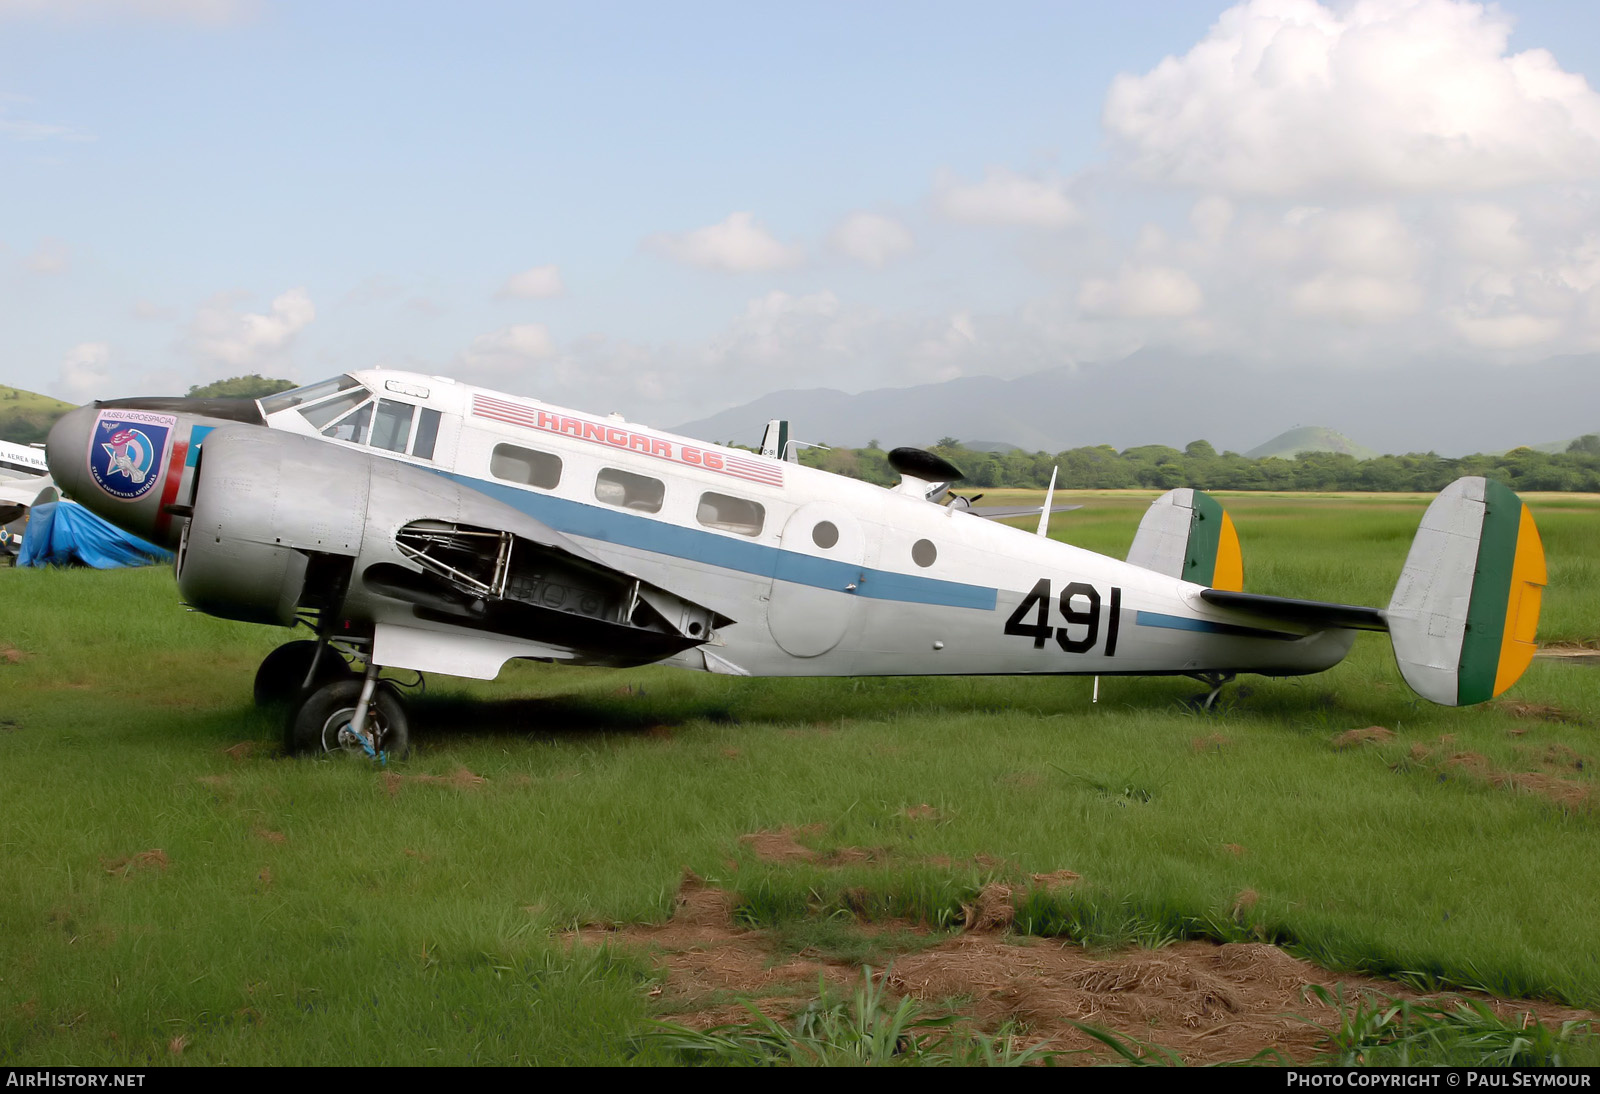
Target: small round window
[(825, 535), (923, 552)]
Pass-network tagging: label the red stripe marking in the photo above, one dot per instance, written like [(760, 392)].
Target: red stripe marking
[(169, 489), (498, 410)]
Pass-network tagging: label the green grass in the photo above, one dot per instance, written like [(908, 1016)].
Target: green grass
[(319, 912)]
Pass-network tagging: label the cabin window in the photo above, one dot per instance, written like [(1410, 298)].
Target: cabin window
[(825, 534), (325, 412), (727, 514), (428, 433), (392, 428), (629, 491), (923, 552), (523, 465), (352, 427), (299, 396)]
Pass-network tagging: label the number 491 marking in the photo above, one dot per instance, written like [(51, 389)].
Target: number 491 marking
[(1040, 630)]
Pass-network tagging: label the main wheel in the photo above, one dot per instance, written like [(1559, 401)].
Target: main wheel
[(321, 722), (283, 672)]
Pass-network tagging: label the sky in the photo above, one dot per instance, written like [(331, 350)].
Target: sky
[(665, 210)]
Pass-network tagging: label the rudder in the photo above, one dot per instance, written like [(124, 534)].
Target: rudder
[(1466, 608), (1187, 534)]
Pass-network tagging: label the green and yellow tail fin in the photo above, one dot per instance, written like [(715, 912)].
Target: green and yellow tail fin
[(1465, 611), (1187, 534)]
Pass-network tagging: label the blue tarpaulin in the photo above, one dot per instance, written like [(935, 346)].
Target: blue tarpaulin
[(63, 533)]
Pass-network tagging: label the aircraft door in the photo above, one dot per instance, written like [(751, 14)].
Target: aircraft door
[(814, 601)]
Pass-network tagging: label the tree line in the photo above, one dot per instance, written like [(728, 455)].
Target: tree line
[(1198, 464)]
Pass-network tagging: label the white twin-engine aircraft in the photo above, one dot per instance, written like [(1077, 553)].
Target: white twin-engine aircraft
[(418, 523)]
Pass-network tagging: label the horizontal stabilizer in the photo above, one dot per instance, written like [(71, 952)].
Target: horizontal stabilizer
[(1316, 614), (1186, 534), (1466, 608)]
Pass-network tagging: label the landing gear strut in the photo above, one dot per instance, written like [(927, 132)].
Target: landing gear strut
[(349, 715), (1216, 681), (332, 707)]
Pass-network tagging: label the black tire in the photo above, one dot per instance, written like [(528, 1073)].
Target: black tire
[(279, 678), (315, 725)]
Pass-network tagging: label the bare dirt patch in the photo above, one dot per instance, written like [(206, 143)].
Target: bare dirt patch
[(1350, 738), (153, 859), (459, 779), (779, 846), (1056, 879), (1543, 712), (1572, 795), (1209, 1003), (240, 752), (10, 655), (782, 846)]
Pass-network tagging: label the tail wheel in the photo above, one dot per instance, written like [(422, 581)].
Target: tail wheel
[(321, 723), (283, 673)]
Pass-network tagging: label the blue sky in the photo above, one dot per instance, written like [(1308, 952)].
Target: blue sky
[(668, 209)]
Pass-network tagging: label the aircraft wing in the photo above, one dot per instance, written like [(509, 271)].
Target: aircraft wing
[(1006, 512)]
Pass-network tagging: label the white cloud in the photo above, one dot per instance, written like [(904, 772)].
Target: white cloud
[(736, 245), (533, 284), (527, 341), (871, 239), (85, 372), (1210, 218), (1356, 298), (1289, 96), (507, 357), (1142, 292), (1515, 330), (1487, 232), (222, 335), (22, 129), (1005, 198), (50, 257)]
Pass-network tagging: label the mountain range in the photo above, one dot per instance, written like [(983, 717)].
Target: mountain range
[(1159, 397)]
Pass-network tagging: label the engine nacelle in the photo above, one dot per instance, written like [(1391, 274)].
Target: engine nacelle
[(262, 507)]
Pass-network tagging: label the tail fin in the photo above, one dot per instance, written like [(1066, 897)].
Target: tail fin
[(1466, 607), (775, 441), (1187, 534)]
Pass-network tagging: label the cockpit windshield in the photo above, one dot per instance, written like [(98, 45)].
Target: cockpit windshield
[(343, 410), (284, 400)]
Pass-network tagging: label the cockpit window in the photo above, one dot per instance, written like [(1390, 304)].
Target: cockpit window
[(352, 427), (393, 427), (299, 396), (427, 434), (325, 412)]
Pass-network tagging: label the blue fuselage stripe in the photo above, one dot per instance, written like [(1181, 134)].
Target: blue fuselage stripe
[(661, 537)]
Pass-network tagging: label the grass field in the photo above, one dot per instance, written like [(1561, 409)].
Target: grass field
[(174, 890)]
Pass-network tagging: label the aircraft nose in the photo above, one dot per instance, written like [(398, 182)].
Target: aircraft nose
[(66, 450), (114, 461)]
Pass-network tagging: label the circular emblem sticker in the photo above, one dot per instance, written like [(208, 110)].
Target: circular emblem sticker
[(125, 455)]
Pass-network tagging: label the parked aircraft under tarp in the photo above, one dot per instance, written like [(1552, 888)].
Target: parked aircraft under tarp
[(63, 533)]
